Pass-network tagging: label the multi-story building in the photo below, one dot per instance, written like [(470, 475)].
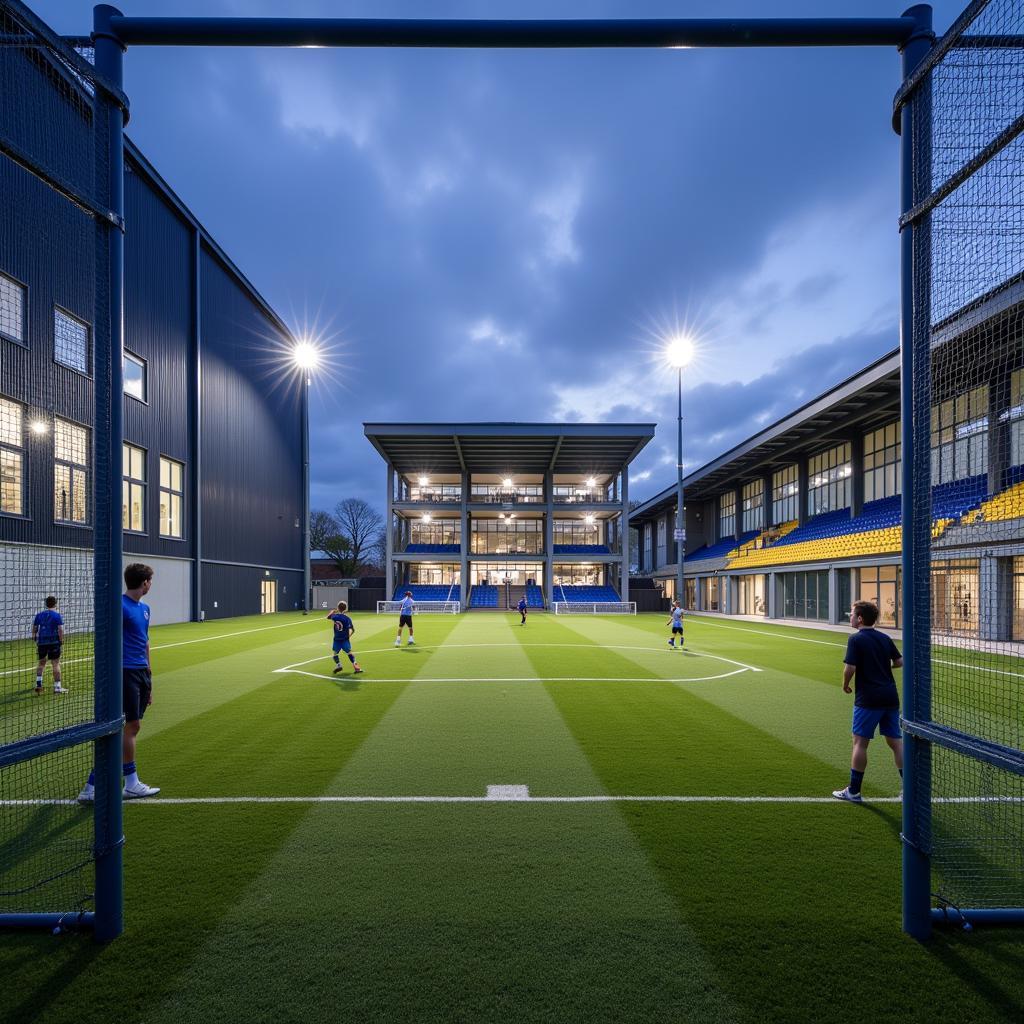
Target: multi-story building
[(805, 516), (487, 512)]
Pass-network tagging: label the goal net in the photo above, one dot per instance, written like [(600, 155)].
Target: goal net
[(422, 607), (594, 607)]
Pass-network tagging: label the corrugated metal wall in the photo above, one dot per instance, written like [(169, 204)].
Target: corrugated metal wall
[(235, 589), (251, 431)]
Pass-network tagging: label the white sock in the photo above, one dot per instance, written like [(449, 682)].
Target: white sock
[(39, 682), (132, 780)]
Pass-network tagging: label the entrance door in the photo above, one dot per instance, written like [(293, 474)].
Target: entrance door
[(268, 597)]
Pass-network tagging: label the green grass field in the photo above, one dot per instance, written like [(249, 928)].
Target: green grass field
[(427, 901)]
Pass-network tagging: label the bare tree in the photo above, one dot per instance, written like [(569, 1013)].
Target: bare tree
[(358, 525), (322, 525)]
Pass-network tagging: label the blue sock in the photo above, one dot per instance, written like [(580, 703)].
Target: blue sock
[(856, 778), (128, 769), (352, 658), (336, 661)]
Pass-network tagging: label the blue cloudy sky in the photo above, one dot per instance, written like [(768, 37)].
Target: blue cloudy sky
[(492, 235)]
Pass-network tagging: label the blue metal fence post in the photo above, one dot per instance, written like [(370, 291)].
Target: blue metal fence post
[(916, 479), (109, 387)]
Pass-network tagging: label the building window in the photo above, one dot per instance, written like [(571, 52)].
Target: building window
[(785, 495), (828, 481), (960, 436), (507, 535), (1015, 414), (12, 309), (804, 595), (753, 506), (751, 594), (882, 462), (70, 472), (70, 341), (727, 515), (956, 596), (172, 497), (12, 458), (133, 489), (435, 531), (648, 551), (577, 531), (880, 584), (662, 549), (135, 376)]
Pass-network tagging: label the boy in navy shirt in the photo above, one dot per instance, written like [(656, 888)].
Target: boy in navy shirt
[(136, 680), (870, 658), (344, 627), (48, 635)]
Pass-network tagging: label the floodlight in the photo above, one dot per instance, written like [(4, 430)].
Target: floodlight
[(305, 355), (424, 480), (426, 517), (680, 351), (589, 520), (506, 483), (39, 426), (591, 483)]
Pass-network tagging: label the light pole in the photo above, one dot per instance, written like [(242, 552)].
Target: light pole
[(679, 353), (306, 356)]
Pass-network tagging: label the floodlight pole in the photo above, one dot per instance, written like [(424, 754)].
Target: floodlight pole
[(306, 581), (680, 516)]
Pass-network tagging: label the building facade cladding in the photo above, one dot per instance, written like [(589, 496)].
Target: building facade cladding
[(252, 474)]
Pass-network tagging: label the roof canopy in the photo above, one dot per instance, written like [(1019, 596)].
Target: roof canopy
[(603, 448)]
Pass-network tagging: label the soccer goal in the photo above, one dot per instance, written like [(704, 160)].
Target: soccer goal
[(422, 607), (594, 607)]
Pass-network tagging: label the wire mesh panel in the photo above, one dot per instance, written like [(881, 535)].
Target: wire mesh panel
[(968, 461), (54, 298)]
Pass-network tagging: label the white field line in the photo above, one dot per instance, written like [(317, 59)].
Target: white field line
[(294, 667), (591, 799), (177, 643), (827, 643), (508, 679)]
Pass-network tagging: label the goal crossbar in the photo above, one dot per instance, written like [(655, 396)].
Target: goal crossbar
[(594, 607), (422, 607)]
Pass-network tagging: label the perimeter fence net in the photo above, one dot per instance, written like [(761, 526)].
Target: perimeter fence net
[(968, 462), (53, 242)]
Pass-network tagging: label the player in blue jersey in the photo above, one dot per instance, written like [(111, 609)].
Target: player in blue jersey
[(521, 608), (870, 658), (344, 627), (676, 622), (48, 636), (136, 680), (405, 618)]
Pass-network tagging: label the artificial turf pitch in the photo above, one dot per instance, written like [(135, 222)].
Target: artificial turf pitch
[(507, 909)]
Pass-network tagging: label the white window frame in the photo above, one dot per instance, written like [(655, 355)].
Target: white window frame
[(77, 474), (132, 357), (167, 493), (130, 483), (15, 451)]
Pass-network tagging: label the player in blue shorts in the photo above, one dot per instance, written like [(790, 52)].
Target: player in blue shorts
[(344, 627), (676, 622), (48, 636), (405, 618), (136, 680), (870, 658), (521, 608)]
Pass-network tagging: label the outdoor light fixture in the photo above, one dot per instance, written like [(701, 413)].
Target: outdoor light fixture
[(39, 426), (680, 351), (506, 483), (424, 480), (305, 355), (426, 517), (591, 483), (589, 520)]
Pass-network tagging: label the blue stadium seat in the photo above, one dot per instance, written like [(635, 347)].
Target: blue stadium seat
[(721, 549), (586, 595), (581, 549)]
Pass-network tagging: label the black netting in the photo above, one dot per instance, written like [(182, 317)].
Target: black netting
[(969, 453), (54, 298)]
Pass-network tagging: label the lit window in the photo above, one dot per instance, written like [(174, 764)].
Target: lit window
[(133, 489), (135, 376), (12, 309), (70, 341), (172, 487), (71, 472), (12, 458)]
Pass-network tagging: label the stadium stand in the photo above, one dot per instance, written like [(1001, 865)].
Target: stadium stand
[(722, 549), (429, 592), (1008, 504), (586, 595), (483, 595), (534, 596)]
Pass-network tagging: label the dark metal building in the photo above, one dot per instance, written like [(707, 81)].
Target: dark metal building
[(213, 491)]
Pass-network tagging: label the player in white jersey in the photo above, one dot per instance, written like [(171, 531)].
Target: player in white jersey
[(405, 618), (676, 621)]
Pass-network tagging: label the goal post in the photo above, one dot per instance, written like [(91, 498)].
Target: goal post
[(422, 607), (594, 607)]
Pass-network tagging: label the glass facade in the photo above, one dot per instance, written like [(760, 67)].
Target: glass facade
[(1017, 625), (1015, 415), (828, 480), (70, 472), (133, 488), (435, 531), (727, 515), (12, 458), (516, 574), (804, 595), (753, 506), (531, 494), (135, 376), (785, 495), (583, 574), (70, 341), (960, 436), (507, 536), (880, 584), (955, 596), (437, 575), (12, 309), (709, 593), (752, 595), (578, 531), (172, 498), (447, 494), (882, 462)]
